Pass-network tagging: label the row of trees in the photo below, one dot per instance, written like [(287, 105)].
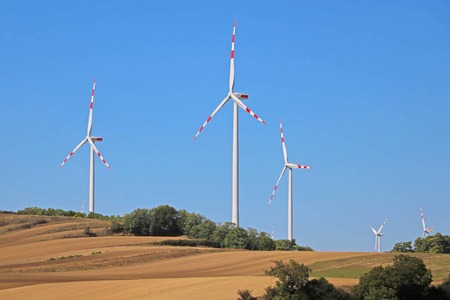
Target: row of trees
[(64, 213), (437, 243), (407, 279), (165, 220)]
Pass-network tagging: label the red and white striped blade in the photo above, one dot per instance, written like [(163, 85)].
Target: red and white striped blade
[(239, 102), (98, 153), (282, 173), (290, 165), (214, 112), (284, 146), (303, 167), (429, 229), (76, 148), (373, 229), (423, 221), (89, 128), (382, 225), (232, 60)]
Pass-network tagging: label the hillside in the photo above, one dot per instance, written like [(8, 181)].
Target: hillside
[(51, 257)]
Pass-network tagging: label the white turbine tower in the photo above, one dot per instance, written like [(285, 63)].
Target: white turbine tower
[(378, 236), (290, 166), (237, 102), (91, 140), (426, 231)]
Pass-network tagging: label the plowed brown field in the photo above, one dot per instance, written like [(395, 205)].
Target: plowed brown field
[(36, 262)]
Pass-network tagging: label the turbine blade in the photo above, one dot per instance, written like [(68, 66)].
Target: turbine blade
[(373, 230), (423, 221), (98, 153), (239, 102), (303, 167), (76, 148), (282, 173), (282, 142), (89, 128), (214, 112), (232, 60), (382, 225)]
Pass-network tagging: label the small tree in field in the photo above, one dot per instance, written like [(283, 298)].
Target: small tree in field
[(402, 247), (293, 283), (245, 295), (407, 279), (291, 278)]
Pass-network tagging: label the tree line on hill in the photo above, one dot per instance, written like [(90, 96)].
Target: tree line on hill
[(165, 220), (437, 243), (406, 279)]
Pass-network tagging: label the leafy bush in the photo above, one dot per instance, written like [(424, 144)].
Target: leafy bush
[(245, 295), (288, 245), (137, 222), (293, 283), (115, 226), (163, 221), (408, 278), (437, 243), (402, 247)]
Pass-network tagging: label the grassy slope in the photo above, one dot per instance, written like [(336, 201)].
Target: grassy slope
[(143, 269), (354, 267)]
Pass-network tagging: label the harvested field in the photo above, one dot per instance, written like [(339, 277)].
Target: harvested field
[(40, 260)]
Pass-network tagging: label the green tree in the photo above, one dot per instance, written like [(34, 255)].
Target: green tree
[(221, 232), (382, 293), (195, 225), (292, 277), (163, 221), (413, 277), (421, 245), (321, 289), (236, 238), (115, 226), (408, 277), (137, 222), (181, 221), (402, 247), (437, 243), (286, 245), (203, 230), (245, 295), (259, 240)]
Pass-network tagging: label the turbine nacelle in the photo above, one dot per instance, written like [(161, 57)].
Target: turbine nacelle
[(96, 139), (241, 96)]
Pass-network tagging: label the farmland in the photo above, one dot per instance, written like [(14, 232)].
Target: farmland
[(51, 257)]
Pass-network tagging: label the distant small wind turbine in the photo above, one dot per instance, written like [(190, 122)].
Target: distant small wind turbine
[(91, 140), (290, 166), (426, 231), (378, 236), (236, 97)]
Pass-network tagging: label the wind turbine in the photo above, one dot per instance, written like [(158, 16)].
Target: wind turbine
[(426, 231), (286, 166), (378, 236), (237, 102), (91, 140)]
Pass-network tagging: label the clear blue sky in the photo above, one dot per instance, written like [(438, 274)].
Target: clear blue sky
[(362, 88)]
